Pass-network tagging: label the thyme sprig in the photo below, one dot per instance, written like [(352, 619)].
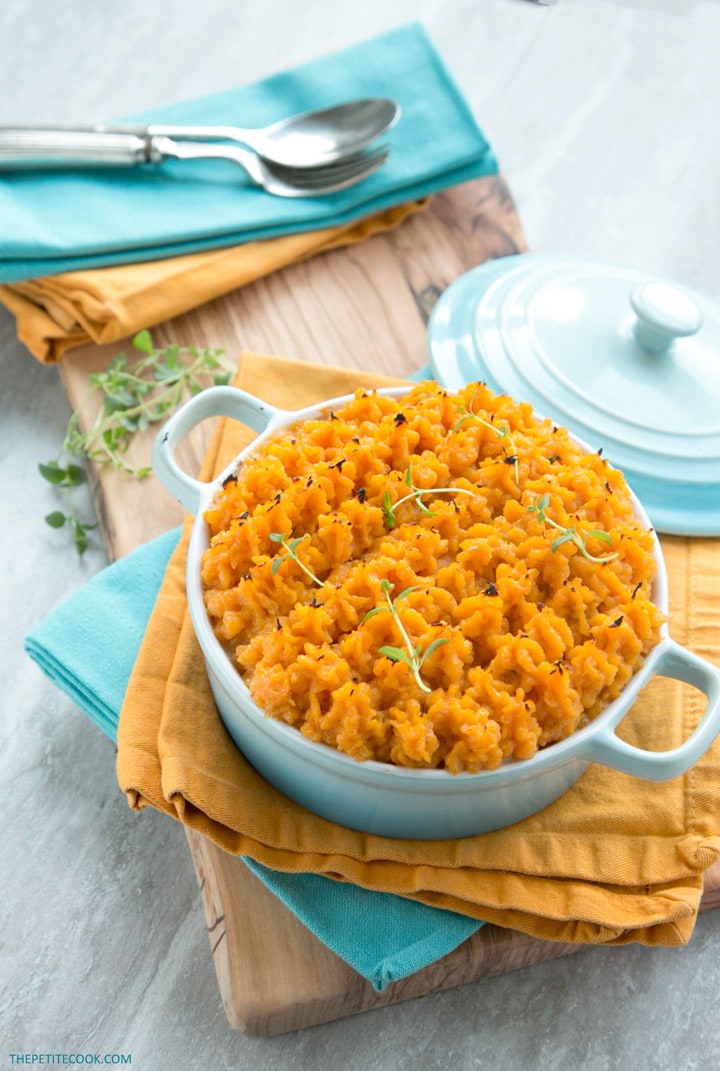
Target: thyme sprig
[(131, 398), (570, 534), (502, 432), (66, 478), (417, 493), (412, 656), (291, 552)]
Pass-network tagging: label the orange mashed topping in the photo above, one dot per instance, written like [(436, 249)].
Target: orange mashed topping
[(438, 493)]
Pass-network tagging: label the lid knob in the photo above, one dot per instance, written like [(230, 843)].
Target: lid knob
[(664, 313)]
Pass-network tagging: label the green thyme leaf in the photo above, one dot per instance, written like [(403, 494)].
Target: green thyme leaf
[(433, 647), (395, 654), (597, 533), (387, 510), (407, 591), (143, 342), (74, 475), (375, 610), (568, 536), (52, 472)]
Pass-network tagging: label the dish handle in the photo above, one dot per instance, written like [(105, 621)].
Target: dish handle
[(212, 402), (680, 664)]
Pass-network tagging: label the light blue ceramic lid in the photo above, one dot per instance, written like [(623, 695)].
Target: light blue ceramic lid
[(626, 360)]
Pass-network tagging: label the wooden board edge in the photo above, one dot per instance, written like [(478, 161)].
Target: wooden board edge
[(317, 986)]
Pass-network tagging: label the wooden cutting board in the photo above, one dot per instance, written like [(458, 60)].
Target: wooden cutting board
[(363, 307)]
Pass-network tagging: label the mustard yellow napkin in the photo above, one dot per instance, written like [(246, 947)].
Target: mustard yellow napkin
[(614, 860), (55, 313)]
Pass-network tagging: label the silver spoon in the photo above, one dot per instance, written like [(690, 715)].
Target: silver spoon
[(62, 149), (306, 140), (309, 140)]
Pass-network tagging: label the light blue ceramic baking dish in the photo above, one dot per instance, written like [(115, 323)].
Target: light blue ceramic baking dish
[(387, 800)]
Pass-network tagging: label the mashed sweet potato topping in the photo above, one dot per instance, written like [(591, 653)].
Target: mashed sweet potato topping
[(437, 581)]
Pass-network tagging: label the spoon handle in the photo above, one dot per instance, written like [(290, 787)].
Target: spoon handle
[(59, 147), (102, 146), (53, 148)]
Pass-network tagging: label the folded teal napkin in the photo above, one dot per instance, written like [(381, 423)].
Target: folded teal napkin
[(88, 646), (58, 222)]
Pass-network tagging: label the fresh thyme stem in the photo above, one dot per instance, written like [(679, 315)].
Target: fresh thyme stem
[(132, 398), (413, 657), (279, 537), (570, 534), (417, 493), (502, 433), (65, 479), (396, 615)]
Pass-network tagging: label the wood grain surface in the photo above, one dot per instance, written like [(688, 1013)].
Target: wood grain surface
[(365, 307), (276, 976)]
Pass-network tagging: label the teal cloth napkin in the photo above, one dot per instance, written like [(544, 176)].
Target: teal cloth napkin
[(88, 646), (60, 222)]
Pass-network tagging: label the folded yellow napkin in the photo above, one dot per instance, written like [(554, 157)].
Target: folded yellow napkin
[(614, 860), (54, 313)]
